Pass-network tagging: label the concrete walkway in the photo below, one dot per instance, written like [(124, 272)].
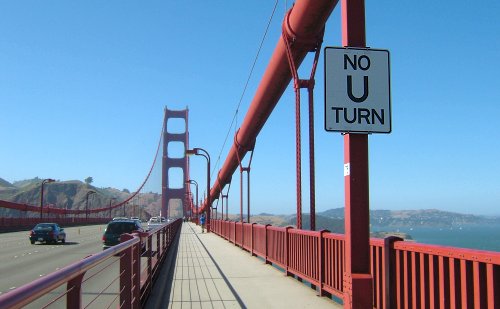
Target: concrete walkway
[(212, 273)]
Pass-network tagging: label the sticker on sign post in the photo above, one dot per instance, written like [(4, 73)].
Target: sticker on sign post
[(357, 90)]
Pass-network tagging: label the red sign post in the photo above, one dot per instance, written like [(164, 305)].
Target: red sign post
[(357, 277)]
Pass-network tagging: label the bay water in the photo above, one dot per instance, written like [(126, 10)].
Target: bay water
[(482, 237)]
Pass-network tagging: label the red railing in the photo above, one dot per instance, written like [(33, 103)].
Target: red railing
[(131, 278), (405, 274)]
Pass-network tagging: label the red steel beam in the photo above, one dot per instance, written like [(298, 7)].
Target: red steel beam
[(304, 24)]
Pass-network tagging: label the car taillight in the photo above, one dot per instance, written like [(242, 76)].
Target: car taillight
[(103, 237), (32, 233)]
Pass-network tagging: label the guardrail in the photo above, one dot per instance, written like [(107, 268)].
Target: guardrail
[(130, 276), (405, 274)]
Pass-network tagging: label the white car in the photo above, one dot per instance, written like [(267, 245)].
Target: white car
[(155, 222)]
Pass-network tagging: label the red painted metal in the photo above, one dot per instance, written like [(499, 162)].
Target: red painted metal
[(298, 160), (297, 85), (423, 270), (490, 283), (459, 281), (356, 181), (477, 285), (414, 273), (168, 192), (453, 283), (442, 298), (405, 280), (357, 216), (298, 143), (406, 274), (312, 179), (125, 277), (242, 170), (305, 22), (432, 281)]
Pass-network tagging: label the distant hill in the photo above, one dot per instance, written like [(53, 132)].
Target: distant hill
[(72, 194), (333, 225), (27, 182), (5, 184), (412, 218), (332, 213), (384, 220)]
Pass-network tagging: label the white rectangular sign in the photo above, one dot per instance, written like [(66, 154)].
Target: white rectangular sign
[(357, 90)]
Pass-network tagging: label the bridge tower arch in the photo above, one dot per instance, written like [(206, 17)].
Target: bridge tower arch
[(174, 163)]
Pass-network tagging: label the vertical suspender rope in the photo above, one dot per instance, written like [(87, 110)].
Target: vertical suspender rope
[(224, 196), (244, 169), (297, 85)]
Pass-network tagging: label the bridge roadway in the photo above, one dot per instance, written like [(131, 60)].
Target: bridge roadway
[(22, 262), (210, 272)]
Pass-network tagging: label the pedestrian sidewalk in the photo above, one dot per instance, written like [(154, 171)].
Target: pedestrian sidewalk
[(213, 273)]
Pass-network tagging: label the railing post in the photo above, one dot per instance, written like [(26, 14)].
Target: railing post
[(74, 296), (126, 275), (150, 261), (163, 239), (287, 253), (321, 261), (265, 243), (242, 232), (136, 277), (159, 236), (389, 282), (234, 233), (251, 239)]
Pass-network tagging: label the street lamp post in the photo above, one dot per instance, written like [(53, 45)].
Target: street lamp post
[(188, 203), (48, 180), (202, 152), (196, 185), (110, 201), (87, 204)]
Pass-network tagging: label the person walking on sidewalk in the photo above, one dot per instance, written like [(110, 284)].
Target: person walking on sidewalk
[(202, 222)]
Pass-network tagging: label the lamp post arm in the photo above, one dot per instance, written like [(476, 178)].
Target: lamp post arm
[(41, 195)]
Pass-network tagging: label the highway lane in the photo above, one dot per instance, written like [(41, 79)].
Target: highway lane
[(21, 262)]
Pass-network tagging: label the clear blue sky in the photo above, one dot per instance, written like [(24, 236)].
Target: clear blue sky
[(83, 85)]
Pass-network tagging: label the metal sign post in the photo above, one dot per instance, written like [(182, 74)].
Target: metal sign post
[(357, 102)]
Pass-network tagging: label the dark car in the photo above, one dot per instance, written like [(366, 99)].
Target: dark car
[(47, 232), (116, 228)]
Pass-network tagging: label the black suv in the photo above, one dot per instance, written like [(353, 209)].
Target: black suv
[(115, 228)]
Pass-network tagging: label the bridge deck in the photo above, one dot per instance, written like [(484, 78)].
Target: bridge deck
[(212, 273)]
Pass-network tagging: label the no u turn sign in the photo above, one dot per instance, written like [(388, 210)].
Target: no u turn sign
[(357, 90)]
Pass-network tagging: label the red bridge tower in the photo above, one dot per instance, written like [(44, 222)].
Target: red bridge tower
[(174, 163)]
